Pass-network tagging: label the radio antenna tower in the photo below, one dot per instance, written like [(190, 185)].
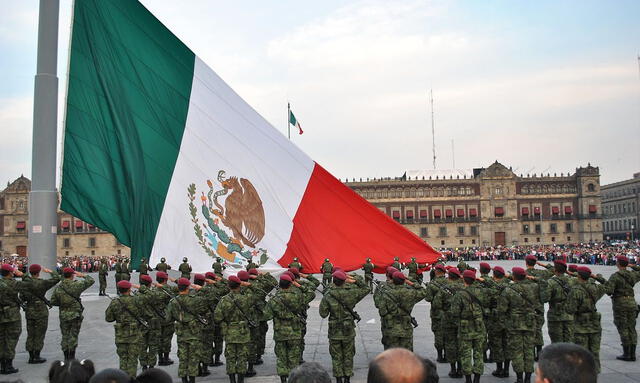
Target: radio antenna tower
[(433, 133)]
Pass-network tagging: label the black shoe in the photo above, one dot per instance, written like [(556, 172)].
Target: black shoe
[(459, 372), (625, 354), (441, 358), (9, 367), (283, 378), (185, 379), (250, 371), (519, 377), (346, 379), (31, 357), (167, 360), (3, 367), (192, 379), (258, 362), (632, 352), (467, 379), (452, 373), (527, 377), (203, 370), (232, 378), (38, 359), (217, 361), (498, 372), (505, 369), (339, 379), (476, 378)]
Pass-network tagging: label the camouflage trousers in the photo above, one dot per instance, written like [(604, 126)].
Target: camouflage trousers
[(342, 352), (368, 279), (520, 346), (150, 341), (188, 356), (560, 331), (166, 334), (287, 356), (436, 328), (236, 356), (218, 340), (471, 354), (262, 338), (207, 343), (36, 330), (402, 342), (591, 342), (498, 343), (383, 330), (253, 344), (326, 279), (128, 353), (538, 338), (304, 335), (69, 331), (102, 280), (624, 317), (9, 334), (451, 344)]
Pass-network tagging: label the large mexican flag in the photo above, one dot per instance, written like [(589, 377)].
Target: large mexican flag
[(161, 152)]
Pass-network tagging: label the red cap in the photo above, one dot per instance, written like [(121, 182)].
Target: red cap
[(584, 269), (286, 277), (68, 270), (243, 275), (210, 275), (124, 284), (573, 267), (455, 271), (622, 258), (6, 267), (253, 271), (234, 278), (146, 278), (390, 271), (184, 282), (518, 271), (499, 269), (294, 271), (469, 274), (341, 275), (199, 277), (485, 266), (440, 267), (337, 268), (399, 275), (162, 275), (35, 268), (530, 257), (560, 262)]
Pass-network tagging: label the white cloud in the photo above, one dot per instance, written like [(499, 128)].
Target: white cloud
[(15, 119)]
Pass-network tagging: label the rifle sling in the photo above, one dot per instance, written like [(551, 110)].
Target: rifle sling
[(344, 306), (126, 308), (77, 299)]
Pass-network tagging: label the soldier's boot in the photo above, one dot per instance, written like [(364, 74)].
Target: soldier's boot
[(241, 378), (203, 370), (192, 379), (3, 367), (217, 361), (467, 379), (283, 378), (498, 371), (452, 373), (185, 379), (441, 358), (339, 379), (9, 369), (167, 360), (505, 369), (347, 379), (31, 358), (519, 377), (72, 354), (632, 352), (250, 371), (258, 361), (625, 354), (38, 359), (476, 378), (232, 378), (459, 372), (527, 377)]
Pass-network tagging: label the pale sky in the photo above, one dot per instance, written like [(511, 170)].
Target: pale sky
[(538, 85)]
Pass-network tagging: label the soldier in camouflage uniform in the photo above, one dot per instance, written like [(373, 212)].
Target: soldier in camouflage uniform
[(625, 308), (218, 267), (210, 295), (67, 297), (436, 311), (531, 261), (413, 267), (587, 330), (266, 283), (232, 314), (295, 264), (10, 319), (308, 285), (450, 327), (118, 270), (396, 306), (368, 273), (251, 265), (379, 300), (187, 311), (221, 289), (467, 308), (185, 269), (37, 309), (154, 314), (167, 325), (143, 269), (327, 270), (338, 304), (207, 295), (561, 306), (396, 263), (496, 324), (285, 309), (462, 265), (103, 273), (127, 311), (255, 296), (163, 266), (487, 283), (126, 270)]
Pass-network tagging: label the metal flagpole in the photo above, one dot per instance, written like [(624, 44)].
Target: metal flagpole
[(288, 120), (43, 199)]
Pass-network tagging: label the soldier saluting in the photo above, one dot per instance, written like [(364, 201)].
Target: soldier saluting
[(295, 264), (10, 320), (625, 308), (327, 270), (163, 266), (103, 273), (368, 273)]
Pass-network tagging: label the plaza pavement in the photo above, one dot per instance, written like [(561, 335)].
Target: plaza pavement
[(97, 341)]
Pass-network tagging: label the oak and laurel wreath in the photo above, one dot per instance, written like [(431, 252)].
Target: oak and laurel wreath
[(196, 224)]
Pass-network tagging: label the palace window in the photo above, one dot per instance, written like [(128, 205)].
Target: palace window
[(423, 232), (460, 230), (92, 242), (568, 227), (442, 231), (553, 227), (474, 230), (591, 187), (525, 229), (65, 243), (538, 229)]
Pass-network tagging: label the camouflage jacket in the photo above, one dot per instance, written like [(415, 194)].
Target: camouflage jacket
[(10, 300), (218, 267), (338, 304), (538, 273), (126, 311), (496, 320), (165, 294), (152, 301), (586, 296), (467, 308), (144, 268), (34, 292), (184, 311), (368, 268), (327, 268), (445, 298), (561, 304), (286, 309), (162, 266), (621, 284), (103, 270), (397, 265), (396, 306), (232, 315), (433, 288), (67, 297), (185, 270), (517, 306), (296, 264)]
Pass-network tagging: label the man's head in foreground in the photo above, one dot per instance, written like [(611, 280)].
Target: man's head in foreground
[(566, 363), (398, 365)]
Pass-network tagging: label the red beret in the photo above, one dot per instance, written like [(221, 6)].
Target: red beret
[(286, 277), (146, 278), (469, 274), (6, 267), (454, 271), (290, 274), (68, 270), (124, 284), (530, 257), (234, 278), (485, 266), (184, 282), (294, 271), (243, 275), (337, 268), (622, 258), (560, 262), (573, 267), (440, 267), (162, 275), (341, 275), (390, 271), (499, 269), (210, 275), (518, 271), (35, 268), (199, 277), (253, 271), (584, 269), (399, 275)]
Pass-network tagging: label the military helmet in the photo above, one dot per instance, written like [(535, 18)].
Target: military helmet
[(413, 258), (326, 259), (184, 259), (295, 259), (395, 258), (162, 259), (218, 259), (368, 259)]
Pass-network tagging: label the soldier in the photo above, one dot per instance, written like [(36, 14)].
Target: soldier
[(285, 309), (516, 306), (37, 309), (468, 310), (450, 327), (327, 270), (251, 291), (396, 263), (413, 267), (251, 265), (231, 313), (167, 325), (488, 284), (368, 273), (126, 270), (379, 299), (103, 273), (206, 294), (497, 326), (308, 285), (295, 264), (143, 269), (561, 306), (436, 311), (266, 283), (118, 269), (211, 295), (221, 289), (67, 297), (154, 314), (588, 330), (218, 267), (462, 265), (338, 304), (530, 262), (127, 312), (625, 308), (402, 296), (186, 311), (163, 266), (10, 319), (185, 269)]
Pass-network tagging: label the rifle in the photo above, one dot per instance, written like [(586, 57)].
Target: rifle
[(351, 311), (443, 287), (249, 320), (302, 318), (200, 319), (124, 306), (72, 296), (414, 322)]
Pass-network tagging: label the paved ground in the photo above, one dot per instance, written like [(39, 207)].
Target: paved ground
[(96, 342)]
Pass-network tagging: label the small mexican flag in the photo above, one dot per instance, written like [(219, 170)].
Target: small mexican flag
[(294, 122)]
